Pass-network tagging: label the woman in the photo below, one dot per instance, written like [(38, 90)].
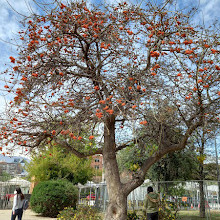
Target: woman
[(151, 204), (18, 203)]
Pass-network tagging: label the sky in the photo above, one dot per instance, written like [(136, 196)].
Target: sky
[(13, 11)]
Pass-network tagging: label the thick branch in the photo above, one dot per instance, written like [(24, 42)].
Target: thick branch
[(76, 152), (138, 179)]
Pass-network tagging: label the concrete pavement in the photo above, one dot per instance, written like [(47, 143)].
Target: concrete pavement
[(27, 215)]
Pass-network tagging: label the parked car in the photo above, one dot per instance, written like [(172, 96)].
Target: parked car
[(91, 197)]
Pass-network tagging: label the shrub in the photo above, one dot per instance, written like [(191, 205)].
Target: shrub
[(168, 210), (132, 216), (50, 197), (83, 212)]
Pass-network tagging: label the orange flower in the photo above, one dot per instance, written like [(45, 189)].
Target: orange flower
[(96, 88), (214, 51), (99, 114), (35, 74), (53, 132), (24, 78), (91, 137), (102, 102), (71, 104), (110, 111), (217, 67), (12, 59), (62, 6), (143, 122), (138, 87)]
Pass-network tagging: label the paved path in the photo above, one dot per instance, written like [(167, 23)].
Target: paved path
[(28, 215)]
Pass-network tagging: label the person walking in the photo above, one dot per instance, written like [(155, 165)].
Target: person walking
[(17, 209), (151, 204)]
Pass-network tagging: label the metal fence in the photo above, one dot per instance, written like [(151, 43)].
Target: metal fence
[(186, 192)]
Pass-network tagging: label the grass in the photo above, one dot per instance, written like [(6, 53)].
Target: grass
[(190, 215), (194, 215)]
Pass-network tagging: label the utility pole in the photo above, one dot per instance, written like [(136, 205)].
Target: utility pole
[(218, 177)]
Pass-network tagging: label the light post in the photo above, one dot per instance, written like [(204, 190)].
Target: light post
[(218, 177)]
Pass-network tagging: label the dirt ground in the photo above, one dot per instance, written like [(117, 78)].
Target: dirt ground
[(27, 215)]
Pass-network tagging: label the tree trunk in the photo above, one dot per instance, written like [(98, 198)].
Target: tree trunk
[(201, 192), (117, 206), (201, 176)]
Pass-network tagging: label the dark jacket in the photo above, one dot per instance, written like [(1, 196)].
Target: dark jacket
[(151, 203)]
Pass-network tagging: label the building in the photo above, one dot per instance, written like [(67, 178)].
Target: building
[(10, 168), (97, 164)]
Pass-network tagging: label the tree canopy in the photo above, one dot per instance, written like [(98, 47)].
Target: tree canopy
[(79, 65), (54, 163)]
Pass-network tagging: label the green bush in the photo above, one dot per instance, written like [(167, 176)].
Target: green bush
[(132, 216), (50, 197), (168, 210), (83, 212)]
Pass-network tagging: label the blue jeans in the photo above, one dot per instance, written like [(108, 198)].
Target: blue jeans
[(18, 212), (152, 216)]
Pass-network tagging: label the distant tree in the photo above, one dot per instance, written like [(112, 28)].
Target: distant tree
[(210, 171), (4, 176), (175, 166), (54, 163), (202, 138)]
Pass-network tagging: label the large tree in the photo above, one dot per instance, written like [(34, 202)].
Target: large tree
[(114, 68)]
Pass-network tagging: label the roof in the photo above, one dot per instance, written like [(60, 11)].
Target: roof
[(19, 181)]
